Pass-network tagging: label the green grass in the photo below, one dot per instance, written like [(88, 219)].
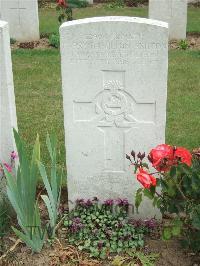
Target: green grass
[(38, 96), (183, 116), (193, 24), (39, 99), (49, 23)]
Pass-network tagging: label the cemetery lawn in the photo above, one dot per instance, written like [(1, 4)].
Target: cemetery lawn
[(49, 24), (39, 100)]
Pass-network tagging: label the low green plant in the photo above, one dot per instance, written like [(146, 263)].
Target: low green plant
[(53, 186), (183, 44), (21, 191), (175, 189), (102, 229), (116, 4), (12, 41), (54, 40)]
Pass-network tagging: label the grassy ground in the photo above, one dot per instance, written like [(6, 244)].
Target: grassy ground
[(48, 21), (38, 85), (38, 96)]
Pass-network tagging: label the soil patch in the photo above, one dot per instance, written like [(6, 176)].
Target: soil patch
[(60, 253), (43, 43), (193, 41)]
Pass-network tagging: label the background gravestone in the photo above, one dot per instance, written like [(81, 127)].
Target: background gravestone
[(8, 119), (173, 12), (22, 16), (114, 76)]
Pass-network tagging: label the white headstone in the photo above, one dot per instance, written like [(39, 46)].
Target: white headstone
[(8, 119), (114, 76), (173, 12), (22, 16)]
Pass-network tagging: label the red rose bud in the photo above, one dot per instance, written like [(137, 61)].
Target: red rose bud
[(183, 155), (133, 154), (146, 179), (139, 155), (142, 156), (162, 157), (128, 157)]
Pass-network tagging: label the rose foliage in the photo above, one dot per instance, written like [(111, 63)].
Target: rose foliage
[(174, 188)]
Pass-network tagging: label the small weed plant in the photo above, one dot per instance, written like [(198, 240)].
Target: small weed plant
[(183, 44), (54, 40), (103, 229)]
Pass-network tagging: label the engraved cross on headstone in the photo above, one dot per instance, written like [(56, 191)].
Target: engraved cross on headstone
[(112, 111), (171, 7), (19, 9)]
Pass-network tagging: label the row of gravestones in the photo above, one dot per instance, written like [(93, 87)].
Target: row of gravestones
[(22, 16), (114, 80)]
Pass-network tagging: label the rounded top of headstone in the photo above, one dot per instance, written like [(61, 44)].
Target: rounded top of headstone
[(115, 19), (3, 23)]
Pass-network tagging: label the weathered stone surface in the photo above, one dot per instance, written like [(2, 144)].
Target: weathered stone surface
[(22, 16), (8, 119), (174, 12), (114, 75)]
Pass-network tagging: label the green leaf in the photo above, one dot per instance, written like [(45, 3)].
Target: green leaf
[(148, 193), (196, 217), (167, 234), (118, 261), (103, 255), (173, 171), (145, 165), (176, 230), (171, 188), (21, 192), (138, 199), (53, 186)]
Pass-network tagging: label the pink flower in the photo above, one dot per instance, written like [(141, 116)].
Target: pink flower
[(8, 167), (14, 155)]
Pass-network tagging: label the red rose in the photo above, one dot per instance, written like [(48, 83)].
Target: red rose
[(61, 3), (161, 157), (183, 155), (146, 179)]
